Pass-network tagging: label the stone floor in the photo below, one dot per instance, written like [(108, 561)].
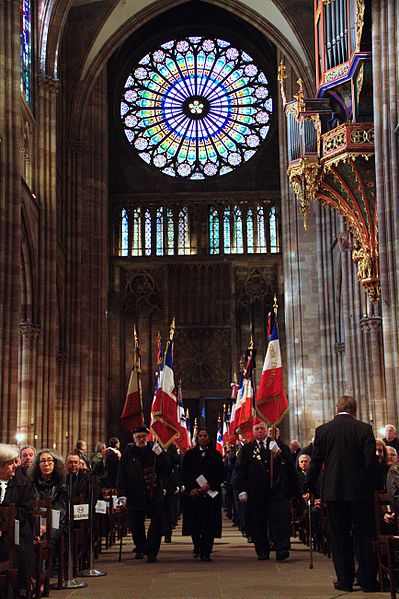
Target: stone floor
[(234, 573)]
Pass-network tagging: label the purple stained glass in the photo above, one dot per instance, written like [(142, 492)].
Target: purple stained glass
[(195, 102)]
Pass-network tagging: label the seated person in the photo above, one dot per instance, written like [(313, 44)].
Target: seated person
[(17, 490), (48, 478)]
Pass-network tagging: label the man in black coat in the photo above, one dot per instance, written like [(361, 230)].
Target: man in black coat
[(346, 447), (202, 474), (267, 479), (142, 474)]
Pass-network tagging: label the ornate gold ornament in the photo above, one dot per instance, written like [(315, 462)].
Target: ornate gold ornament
[(304, 177), (281, 77), (359, 21)]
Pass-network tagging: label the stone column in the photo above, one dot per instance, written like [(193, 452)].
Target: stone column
[(10, 215), (372, 344), (46, 185), (305, 389), (385, 47), (26, 418)]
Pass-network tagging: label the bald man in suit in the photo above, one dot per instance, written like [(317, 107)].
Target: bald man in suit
[(346, 447)]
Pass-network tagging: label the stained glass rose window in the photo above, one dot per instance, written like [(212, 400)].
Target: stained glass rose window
[(196, 107)]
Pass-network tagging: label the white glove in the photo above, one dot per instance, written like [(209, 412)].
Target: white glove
[(274, 448), (156, 448), (121, 501), (243, 496)]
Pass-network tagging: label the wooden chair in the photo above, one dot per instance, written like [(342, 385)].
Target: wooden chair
[(42, 547), (387, 543), (7, 530)]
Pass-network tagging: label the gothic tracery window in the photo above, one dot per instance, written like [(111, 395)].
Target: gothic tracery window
[(26, 49), (196, 107)]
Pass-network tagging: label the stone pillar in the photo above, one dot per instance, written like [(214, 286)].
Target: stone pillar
[(305, 392), (46, 186), (372, 344), (10, 215), (26, 422), (385, 47)]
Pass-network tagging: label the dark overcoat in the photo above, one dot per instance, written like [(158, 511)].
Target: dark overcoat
[(20, 491), (202, 514), (142, 476)]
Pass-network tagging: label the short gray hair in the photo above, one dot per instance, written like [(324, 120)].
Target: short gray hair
[(8, 453)]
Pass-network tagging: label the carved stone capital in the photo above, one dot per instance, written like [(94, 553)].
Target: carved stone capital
[(28, 329), (48, 84), (371, 324), (339, 347)]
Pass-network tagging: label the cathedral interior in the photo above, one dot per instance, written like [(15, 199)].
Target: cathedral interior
[(202, 160)]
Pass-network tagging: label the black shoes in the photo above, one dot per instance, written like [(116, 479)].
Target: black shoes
[(139, 555), (168, 539), (151, 558), (282, 555), (341, 586), (196, 553), (263, 556), (205, 558)]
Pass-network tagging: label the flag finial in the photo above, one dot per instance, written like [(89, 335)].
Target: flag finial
[(136, 339), (172, 329), (275, 306)]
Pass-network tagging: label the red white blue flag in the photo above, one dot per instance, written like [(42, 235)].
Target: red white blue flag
[(132, 413), (219, 437), (271, 402), (183, 440), (165, 425)]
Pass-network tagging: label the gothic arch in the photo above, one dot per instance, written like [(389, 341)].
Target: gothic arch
[(123, 20)]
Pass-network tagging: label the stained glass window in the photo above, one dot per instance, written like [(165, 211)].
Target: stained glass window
[(124, 247), (26, 49), (136, 233), (196, 107), (274, 248), (184, 234), (170, 232), (214, 232), (250, 232), (147, 233), (238, 241), (261, 230), (159, 233), (226, 231)]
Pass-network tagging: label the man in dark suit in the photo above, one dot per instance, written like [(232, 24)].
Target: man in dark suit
[(346, 447), (266, 478)]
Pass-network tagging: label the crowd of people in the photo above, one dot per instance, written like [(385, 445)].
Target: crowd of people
[(261, 484)]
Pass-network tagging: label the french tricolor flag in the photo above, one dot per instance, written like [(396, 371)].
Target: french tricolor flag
[(271, 402), (219, 438), (165, 425)]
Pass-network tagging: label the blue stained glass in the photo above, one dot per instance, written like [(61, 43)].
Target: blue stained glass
[(184, 233), (261, 230), (274, 247), (170, 233), (147, 233), (214, 231), (124, 247), (136, 232), (159, 232), (26, 49), (238, 241), (196, 101), (250, 232), (226, 231)]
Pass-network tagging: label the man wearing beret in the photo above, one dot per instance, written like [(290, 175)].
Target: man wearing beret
[(142, 474)]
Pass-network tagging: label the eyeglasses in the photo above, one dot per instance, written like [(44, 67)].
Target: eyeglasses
[(47, 461)]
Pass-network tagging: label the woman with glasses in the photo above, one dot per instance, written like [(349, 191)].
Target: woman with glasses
[(48, 475)]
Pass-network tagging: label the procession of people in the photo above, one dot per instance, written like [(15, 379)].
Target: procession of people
[(270, 485)]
